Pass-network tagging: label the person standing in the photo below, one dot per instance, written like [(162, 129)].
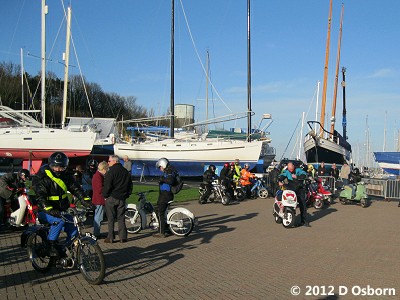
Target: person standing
[(98, 198), (344, 173), (167, 179), (87, 177), (127, 164), (117, 188), (334, 172), (321, 171), (295, 176)]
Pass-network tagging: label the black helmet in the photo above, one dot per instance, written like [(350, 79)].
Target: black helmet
[(162, 162), (23, 174), (211, 168), (92, 165), (58, 159)]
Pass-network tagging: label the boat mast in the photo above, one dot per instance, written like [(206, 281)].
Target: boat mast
[(22, 79), (207, 80), (328, 40), (344, 118), (172, 125), (248, 75), (333, 119), (43, 85), (66, 59)]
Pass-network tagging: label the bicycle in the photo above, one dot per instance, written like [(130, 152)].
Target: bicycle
[(83, 251), (180, 220)]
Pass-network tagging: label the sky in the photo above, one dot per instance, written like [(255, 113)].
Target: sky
[(124, 46)]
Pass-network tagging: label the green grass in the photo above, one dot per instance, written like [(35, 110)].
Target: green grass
[(186, 194)]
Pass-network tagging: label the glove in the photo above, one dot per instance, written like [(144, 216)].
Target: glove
[(89, 205), (54, 212)]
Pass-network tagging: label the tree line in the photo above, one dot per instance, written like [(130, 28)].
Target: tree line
[(102, 104)]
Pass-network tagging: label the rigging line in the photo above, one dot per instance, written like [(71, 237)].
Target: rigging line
[(198, 56), (290, 139)]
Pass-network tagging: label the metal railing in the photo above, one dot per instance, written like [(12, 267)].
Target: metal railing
[(386, 188)]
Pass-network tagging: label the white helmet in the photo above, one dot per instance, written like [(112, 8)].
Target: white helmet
[(162, 162)]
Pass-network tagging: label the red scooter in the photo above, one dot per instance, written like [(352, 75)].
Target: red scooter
[(326, 195), (313, 197), (25, 214)]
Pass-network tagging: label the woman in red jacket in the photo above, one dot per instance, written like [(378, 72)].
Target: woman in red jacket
[(98, 199)]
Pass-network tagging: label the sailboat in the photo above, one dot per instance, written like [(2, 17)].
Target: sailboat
[(191, 156), (22, 137), (322, 145)]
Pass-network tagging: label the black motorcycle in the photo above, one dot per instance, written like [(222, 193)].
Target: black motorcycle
[(218, 193)]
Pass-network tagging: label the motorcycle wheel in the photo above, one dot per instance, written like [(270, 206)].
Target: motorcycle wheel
[(201, 201), (364, 203), (225, 200), (240, 195), (184, 224), (91, 262), (343, 200), (318, 204), (263, 193), (288, 220), (133, 225), (37, 247), (277, 219)]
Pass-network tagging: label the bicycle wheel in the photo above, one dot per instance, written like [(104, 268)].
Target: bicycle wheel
[(182, 224), (38, 252), (91, 262), (133, 224)]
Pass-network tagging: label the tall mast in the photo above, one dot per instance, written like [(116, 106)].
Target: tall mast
[(333, 119), (172, 125), (43, 85), (344, 118), (328, 40), (66, 59), (22, 79), (248, 75), (207, 80)]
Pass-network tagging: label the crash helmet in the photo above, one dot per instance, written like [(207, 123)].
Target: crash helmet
[(162, 162), (92, 165), (237, 161), (226, 165), (211, 168), (232, 164), (23, 175), (310, 168), (58, 159), (246, 165)]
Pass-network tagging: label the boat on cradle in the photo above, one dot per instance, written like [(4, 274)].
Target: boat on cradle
[(193, 154), (321, 145), (388, 161), (23, 137)]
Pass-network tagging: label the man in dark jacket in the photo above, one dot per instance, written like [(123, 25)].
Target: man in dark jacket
[(51, 187), (167, 180), (208, 177), (117, 188)]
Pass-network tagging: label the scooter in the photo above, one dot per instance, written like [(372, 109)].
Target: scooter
[(348, 195), (313, 197), (25, 214), (258, 189), (324, 191), (179, 219), (284, 209)]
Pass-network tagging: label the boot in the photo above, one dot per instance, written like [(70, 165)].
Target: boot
[(53, 252)]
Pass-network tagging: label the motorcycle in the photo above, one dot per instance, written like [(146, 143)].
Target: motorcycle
[(284, 208), (83, 252), (348, 195), (218, 193), (25, 214), (180, 220), (313, 197), (238, 191), (323, 189), (258, 189)]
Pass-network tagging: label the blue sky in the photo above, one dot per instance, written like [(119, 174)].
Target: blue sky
[(125, 47)]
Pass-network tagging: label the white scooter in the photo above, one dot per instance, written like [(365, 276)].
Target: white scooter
[(284, 210), (26, 212), (180, 220)]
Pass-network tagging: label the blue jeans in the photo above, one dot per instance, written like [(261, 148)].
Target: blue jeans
[(60, 224), (98, 217)]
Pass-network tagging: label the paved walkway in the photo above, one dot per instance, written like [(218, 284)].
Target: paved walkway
[(236, 252)]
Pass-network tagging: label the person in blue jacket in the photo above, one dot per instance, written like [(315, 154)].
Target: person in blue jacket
[(167, 179), (296, 176)]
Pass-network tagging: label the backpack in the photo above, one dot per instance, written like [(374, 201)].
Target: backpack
[(178, 184)]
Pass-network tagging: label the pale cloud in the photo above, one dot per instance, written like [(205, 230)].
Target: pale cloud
[(382, 73)]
